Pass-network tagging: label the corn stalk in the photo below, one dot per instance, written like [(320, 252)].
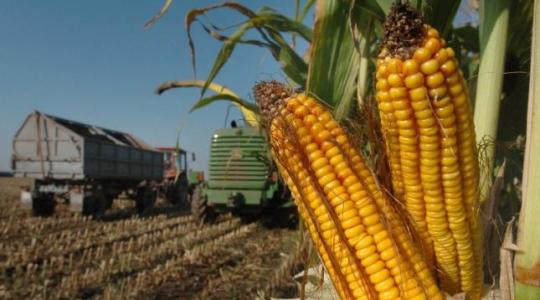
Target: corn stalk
[(528, 258), (494, 15)]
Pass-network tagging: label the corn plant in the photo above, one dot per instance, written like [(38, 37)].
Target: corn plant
[(409, 106)]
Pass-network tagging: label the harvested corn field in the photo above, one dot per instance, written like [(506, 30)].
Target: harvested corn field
[(165, 256)]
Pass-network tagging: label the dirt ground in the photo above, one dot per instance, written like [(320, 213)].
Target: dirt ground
[(162, 256)]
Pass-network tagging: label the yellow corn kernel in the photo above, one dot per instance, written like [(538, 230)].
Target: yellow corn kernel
[(431, 131), (342, 202)]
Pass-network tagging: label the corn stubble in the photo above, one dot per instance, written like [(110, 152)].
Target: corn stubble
[(427, 125), (122, 259), (362, 238)]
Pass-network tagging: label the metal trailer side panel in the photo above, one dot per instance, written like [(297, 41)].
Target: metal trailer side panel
[(157, 165), (105, 160), (42, 148), (51, 147)]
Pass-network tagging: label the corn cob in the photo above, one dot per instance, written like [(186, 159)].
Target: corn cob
[(361, 238), (425, 110)]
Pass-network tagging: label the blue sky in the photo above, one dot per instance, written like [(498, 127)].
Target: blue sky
[(91, 61)]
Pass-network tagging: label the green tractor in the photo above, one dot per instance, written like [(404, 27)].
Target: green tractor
[(242, 180)]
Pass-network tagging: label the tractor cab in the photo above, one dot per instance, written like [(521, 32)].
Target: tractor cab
[(175, 185), (175, 161)]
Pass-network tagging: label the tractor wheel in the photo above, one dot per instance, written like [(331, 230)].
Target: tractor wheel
[(200, 211), (43, 206), (170, 192), (177, 193), (184, 197)]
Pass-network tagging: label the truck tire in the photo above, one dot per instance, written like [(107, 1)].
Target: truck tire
[(200, 211), (43, 205)]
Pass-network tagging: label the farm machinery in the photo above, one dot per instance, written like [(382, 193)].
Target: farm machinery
[(88, 166), (242, 179)]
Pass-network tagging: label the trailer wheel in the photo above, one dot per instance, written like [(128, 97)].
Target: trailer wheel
[(95, 204), (43, 205), (145, 199), (109, 198), (200, 210)]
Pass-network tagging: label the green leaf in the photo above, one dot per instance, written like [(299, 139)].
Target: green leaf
[(440, 14), (249, 115), (268, 17), (192, 15), (437, 13), (371, 7), (224, 54), (334, 61), (158, 16), (291, 63), (380, 8), (385, 5), (364, 34), (468, 37), (519, 45), (269, 23), (307, 7), (224, 97)]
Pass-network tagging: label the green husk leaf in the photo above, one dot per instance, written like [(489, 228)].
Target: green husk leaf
[(329, 78), (494, 15)]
